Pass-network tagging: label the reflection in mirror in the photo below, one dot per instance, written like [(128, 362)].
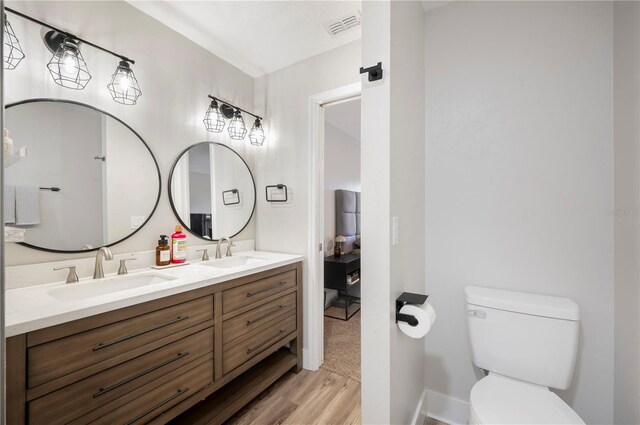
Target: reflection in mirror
[(212, 191), (108, 179)]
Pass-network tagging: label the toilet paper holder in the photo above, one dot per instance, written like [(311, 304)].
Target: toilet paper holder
[(408, 298)]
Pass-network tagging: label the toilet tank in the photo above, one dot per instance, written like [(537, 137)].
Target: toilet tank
[(533, 338)]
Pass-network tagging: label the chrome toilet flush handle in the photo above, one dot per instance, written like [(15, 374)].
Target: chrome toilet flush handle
[(72, 277), (480, 314)]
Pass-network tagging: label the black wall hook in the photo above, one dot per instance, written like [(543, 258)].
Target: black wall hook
[(408, 298), (375, 72)]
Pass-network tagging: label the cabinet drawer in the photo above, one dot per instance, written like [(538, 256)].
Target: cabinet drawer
[(149, 405), (244, 323), (60, 357), (83, 396), (242, 351), (241, 296)]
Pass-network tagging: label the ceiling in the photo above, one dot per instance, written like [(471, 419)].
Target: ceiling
[(345, 116), (258, 37)]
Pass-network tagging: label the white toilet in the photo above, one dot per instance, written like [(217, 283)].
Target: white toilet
[(528, 344)]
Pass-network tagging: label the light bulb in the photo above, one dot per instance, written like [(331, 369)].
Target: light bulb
[(70, 62), (123, 81)]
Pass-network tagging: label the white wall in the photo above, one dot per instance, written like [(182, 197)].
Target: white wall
[(626, 153), (284, 97), (125, 152), (392, 187), (519, 176), (341, 171), (50, 144), (175, 76)]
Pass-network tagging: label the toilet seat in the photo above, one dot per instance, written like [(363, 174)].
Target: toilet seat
[(497, 399)]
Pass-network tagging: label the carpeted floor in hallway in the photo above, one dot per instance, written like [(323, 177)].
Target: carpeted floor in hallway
[(342, 346)]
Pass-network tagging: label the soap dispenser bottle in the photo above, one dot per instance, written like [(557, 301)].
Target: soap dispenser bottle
[(178, 246), (7, 143), (163, 252)]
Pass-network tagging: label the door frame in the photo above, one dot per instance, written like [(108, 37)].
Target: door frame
[(314, 357)]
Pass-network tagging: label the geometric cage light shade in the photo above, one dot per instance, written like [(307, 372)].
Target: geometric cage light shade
[(12, 51), (256, 135), (237, 130), (68, 67), (213, 119), (124, 87)]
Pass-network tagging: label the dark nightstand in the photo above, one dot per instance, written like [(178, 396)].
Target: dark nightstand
[(336, 273)]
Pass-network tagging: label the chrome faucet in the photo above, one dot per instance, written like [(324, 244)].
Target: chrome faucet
[(229, 245), (105, 253)]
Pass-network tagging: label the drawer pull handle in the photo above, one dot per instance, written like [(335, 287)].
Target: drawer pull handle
[(157, 406), (251, 294), (105, 390), (102, 345), (264, 316), (251, 350)]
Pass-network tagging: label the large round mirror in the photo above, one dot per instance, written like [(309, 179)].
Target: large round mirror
[(78, 178), (212, 191)]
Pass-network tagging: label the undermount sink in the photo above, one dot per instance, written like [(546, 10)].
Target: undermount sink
[(234, 262), (96, 288)]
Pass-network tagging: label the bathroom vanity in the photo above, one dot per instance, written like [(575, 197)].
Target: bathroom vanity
[(192, 347)]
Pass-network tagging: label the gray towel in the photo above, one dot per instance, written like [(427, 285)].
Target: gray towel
[(27, 205), (9, 204)]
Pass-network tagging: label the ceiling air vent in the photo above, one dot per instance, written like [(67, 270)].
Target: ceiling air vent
[(343, 24)]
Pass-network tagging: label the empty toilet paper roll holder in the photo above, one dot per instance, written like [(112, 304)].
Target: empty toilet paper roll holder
[(408, 298)]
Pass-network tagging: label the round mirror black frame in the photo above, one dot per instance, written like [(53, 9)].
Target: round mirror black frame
[(173, 207), (72, 102)]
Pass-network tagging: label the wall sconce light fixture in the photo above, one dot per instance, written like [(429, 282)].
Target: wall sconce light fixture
[(67, 65), (219, 110)]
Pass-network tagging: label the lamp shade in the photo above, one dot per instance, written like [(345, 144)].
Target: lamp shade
[(213, 119), (124, 87), (341, 239), (67, 66), (256, 135), (237, 129), (12, 51)]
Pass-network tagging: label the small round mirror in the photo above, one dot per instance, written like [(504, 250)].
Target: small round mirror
[(212, 191)]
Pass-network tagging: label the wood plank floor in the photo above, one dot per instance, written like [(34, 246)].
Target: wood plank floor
[(320, 397)]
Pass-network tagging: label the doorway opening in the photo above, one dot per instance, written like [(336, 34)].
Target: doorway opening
[(341, 238)]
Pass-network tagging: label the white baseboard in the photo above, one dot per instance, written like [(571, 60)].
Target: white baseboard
[(418, 416), (445, 408)]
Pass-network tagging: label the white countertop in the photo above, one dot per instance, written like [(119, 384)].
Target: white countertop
[(32, 308)]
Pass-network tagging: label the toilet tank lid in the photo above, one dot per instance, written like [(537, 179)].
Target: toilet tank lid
[(522, 302)]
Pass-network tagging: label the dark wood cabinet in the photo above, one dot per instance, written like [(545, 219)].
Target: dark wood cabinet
[(343, 274), (155, 362)]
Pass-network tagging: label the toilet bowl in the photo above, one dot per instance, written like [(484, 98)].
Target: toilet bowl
[(501, 400), (528, 344)]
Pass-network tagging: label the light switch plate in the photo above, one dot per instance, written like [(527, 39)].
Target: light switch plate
[(395, 234)]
